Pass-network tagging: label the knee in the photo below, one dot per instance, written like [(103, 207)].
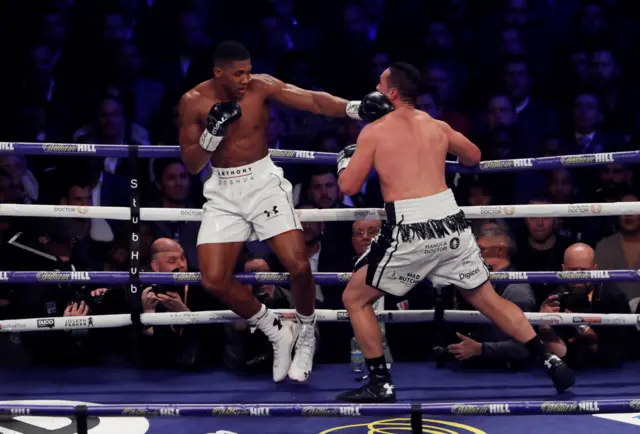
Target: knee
[(216, 282), (300, 269), (350, 297)]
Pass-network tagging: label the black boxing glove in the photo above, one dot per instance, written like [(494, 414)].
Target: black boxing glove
[(221, 115), (372, 107), (344, 157)]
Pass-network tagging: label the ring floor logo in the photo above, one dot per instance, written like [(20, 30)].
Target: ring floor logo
[(65, 425), (402, 425)]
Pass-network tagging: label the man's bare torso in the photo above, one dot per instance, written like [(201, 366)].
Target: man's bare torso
[(245, 141), (410, 154)]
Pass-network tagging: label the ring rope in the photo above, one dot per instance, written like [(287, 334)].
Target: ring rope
[(512, 408), (323, 315), (311, 157), (321, 278), (324, 215)]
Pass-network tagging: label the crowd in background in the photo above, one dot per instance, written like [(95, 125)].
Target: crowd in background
[(521, 78)]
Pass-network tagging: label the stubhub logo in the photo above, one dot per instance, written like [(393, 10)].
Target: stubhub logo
[(65, 425)]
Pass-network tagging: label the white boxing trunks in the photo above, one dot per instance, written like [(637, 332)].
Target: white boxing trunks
[(424, 238), (247, 202)]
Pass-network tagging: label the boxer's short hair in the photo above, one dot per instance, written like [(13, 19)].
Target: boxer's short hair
[(407, 79), (230, 51)]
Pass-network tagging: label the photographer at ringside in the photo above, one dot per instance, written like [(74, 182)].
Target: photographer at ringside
[(583, 346), (45, 245), (189, 346)]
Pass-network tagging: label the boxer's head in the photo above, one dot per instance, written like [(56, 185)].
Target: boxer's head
[(401, 83), (167, 255), (232, 68)]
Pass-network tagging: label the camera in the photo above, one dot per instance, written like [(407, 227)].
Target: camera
[(163, 289), (93, 303)]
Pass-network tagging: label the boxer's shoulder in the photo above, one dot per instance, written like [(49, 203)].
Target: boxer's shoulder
[(265, 84)]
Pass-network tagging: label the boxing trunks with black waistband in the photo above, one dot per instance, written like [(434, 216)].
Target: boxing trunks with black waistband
[(424, 238)]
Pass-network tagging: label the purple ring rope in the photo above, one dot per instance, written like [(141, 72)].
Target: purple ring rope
[(511, 408), (120, 277), (310, 157)]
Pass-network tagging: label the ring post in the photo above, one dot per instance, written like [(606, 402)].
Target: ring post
[(81, 414), (416, 419)]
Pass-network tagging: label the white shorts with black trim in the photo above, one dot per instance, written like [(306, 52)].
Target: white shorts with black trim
[(246, 203), (424, 239)]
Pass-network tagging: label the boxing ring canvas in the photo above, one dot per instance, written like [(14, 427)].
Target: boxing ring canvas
[(415, 382)]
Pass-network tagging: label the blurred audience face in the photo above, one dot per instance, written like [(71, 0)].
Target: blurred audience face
[(14, 165), (168, 255), (330, 143), (324, 190), (40, 67), (78, 196), (579, 64), (517, 80), (478, 196), (363, 232), (630, 224), (427, 104), (603, 69), (561, 186), (615, 175), (259, 265), (129, 60), (192, 34), (111, 120), (511, 43), (500, 112), (540, 228), (586, 113), (591, 18), (11, 189), (175, 183), (380, 62), (579, 257), (516, 13), (284, 8), (439, 78), (355, 23), (114, 28), (54, 29), (312, 231), (437, 36)]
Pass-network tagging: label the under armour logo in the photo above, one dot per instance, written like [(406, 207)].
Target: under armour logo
[(388, 388), (547, 363), (273, 211), (277, 323)]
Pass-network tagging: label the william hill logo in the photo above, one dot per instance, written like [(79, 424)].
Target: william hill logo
[(5, 146), (62, 275)]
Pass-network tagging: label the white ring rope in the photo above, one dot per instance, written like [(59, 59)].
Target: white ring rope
[(323, 315), (325, 215)]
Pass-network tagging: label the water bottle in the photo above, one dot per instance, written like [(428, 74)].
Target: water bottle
[(357, 358)]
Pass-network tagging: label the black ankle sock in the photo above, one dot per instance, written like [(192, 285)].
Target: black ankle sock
[(378, 368), (536, 348)]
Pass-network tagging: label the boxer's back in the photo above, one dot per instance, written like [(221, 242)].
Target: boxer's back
[(410, 155)]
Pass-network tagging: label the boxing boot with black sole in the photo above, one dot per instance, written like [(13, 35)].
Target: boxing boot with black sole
[(376, 391), (561, 375)]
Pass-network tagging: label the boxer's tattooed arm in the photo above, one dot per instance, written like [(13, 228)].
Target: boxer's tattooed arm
[(194, 157), (321, 103), (353, 176)]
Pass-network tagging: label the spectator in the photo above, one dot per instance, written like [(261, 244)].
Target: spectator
[(585, 346), (535, 119), (621, 251), (542, 247), (429, 102), (439, 76), (486, 345), (173, 190), (185, 347)]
